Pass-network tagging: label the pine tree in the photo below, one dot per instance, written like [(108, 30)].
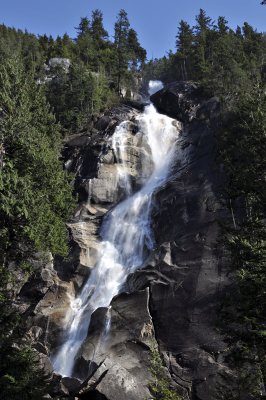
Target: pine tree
[(204, 23), (222, 26), (98, 33), (202, 28), (99, 41), (137, 54), (184, 46), (121, 46), (84, 27), (184, 39)]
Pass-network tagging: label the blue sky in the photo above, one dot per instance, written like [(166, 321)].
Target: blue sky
[(155, 21)]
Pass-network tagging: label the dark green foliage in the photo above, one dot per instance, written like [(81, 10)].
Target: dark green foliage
[(128, 52), (21, 375), (184, 45), (34, 191), (84, 27), (14, 41), (243, 145), (105, 68), (35, 202), (184, 39), (137, 55), (160, 387), (223, 62), (78, 94), (98, 33), (244, 141), (121, 37)]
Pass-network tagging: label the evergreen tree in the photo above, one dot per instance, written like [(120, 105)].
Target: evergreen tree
[(67, 46), (121, 45), (98, 33), (184, 39), (244, 138), (84, 27), (44, 45), (99, 41), (184, 46), (75, 96), (137, 55), (84, 49), (238, 31), (202, 28), (34, 192), (222, 26), (204, 23), (21, 374)]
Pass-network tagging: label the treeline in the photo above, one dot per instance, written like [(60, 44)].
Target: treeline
[(97, 73), (223, 61)]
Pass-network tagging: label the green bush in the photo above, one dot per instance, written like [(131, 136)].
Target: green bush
[(160, 387)]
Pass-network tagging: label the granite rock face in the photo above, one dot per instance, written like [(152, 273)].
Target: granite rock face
[(176, 297), (186, 223), (119, 363)]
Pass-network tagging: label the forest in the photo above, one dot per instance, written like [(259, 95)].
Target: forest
[(51, 88)]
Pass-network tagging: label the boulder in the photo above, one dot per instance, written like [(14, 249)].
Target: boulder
[(124, 333), (184, 101), (51, 312), (85, 234)]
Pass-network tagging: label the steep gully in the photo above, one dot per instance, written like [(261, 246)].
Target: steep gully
[(126, 233)]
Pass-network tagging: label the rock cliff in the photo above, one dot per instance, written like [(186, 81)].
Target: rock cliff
[(176, 297)]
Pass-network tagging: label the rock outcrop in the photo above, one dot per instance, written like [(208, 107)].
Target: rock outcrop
[(176, 297), (187, 217)]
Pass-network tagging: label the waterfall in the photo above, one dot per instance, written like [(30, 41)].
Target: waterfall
[(127, 237)]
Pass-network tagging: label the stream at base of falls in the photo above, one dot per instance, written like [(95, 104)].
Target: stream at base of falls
[(127, 237)]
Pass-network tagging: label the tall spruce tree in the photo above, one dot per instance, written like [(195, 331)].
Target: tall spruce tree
[(121, 45), (98, 33), (137, 54), (222, 25), (99, 41), (202, 28), (184, 39), (184, 46), (84, 27)]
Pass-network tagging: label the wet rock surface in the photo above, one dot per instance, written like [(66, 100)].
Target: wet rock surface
[(176, 297)]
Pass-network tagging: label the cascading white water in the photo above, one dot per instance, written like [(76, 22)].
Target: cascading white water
[(127, 237)]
